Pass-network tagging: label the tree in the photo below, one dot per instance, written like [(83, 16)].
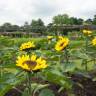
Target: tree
[(94, 20), (61, 19), (15, 28), (73, 21), (88, 21), (50, 29), (6, 27), (37, 26), (80, 21), (34, 23), (26, 27), (40, 22)]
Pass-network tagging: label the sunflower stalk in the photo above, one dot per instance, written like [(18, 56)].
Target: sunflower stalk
[(29, 84), (28, 52), (1, 71), (66, 57), (59, 61), (86, 43), (86, 47), (94, 60)]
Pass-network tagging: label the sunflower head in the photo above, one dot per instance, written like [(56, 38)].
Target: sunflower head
[(61, 44), (60, 37), (26, 46), (49, 37), (87, 32), (31, 63), (94, 42)]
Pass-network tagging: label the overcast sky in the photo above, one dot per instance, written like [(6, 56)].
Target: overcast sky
[(19, 11)]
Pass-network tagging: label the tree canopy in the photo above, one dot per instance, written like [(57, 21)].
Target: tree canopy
[(38, 25)]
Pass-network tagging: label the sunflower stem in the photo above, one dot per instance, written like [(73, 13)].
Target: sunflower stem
[(28, 52), (29, 84), (86, 67), (59, 62), (86, 43), (86, 47), (94, 60), (66, 56), (1, 71)]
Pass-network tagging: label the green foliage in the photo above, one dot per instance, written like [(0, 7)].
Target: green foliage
[(57, 77), (80, 62), (65, 19), (61, 19), (46, 92), (37, 26), (94, 20), (10, 78)]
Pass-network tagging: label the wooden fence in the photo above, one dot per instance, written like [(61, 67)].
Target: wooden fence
[(56, 28)]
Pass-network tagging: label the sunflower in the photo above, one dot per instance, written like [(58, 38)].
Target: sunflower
[(60, 37), (61, 44), (49, 37), (94, 42), (27, 45), (31, 63), (87, 32)]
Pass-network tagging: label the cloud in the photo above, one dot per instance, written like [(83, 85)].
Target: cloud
[(19, 11)]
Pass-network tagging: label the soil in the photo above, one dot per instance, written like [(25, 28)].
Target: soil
[(87, 87), (84, 87)]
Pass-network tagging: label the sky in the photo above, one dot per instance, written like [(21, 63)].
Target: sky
[(20, 11)]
